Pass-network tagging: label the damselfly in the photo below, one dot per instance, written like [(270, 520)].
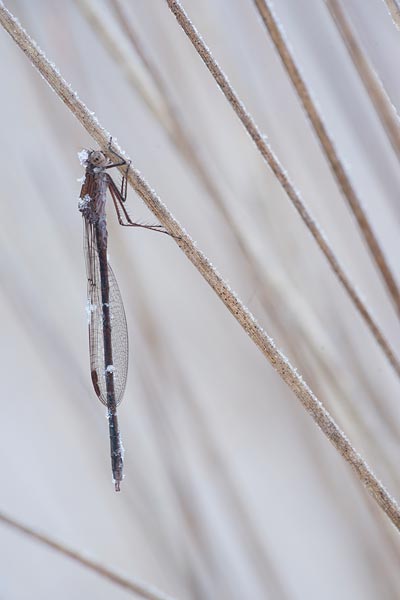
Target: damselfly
[(108, 333)]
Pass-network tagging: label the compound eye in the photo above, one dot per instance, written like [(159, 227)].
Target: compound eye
[(97, 158)]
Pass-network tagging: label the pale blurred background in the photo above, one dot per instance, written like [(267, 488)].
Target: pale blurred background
[(230, 490)]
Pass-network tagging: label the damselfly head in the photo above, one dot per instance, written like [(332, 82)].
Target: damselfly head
[(97, 159)]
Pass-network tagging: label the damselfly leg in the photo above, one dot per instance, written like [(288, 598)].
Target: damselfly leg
[(122, 213), (119, 195)]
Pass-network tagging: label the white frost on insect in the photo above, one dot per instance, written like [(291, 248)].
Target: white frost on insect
[(84, 202), (122, 449), (110, 369), (83, 155), (90, 308), (81, 179)]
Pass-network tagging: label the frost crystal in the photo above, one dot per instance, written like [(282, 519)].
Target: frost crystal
[(110, 369), (84, 202), (122, 449), (83, 155), (89, 309)]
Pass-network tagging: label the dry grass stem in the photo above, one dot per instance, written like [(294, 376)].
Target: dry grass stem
[(272, 291), (136, 587), (180, 136), (270, 158), (172, 124), (326, 141), (190, 152), (134, 77), (288, 374), (394, 9), (383, 106)]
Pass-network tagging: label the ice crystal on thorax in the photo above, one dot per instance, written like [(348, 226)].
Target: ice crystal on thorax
[(84, 202), (83, 155)]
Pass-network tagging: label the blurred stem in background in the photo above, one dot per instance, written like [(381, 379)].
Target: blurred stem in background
[(394, 9), (272, 290), (384, 108), (328, 147)]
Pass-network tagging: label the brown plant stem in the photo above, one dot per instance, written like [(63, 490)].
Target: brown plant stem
[(280, 363), (328, 147), (281, 175), (394, 9), (379, 98), (276, 303), (136, 587), (179, 133)]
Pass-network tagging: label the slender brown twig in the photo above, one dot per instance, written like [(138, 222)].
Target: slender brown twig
[(272, 293), (169, 118), (283, 178), (383, 106), (394, 9), (179, 133), (136, 587), (328, 146), (181, 138), (244, 317)]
